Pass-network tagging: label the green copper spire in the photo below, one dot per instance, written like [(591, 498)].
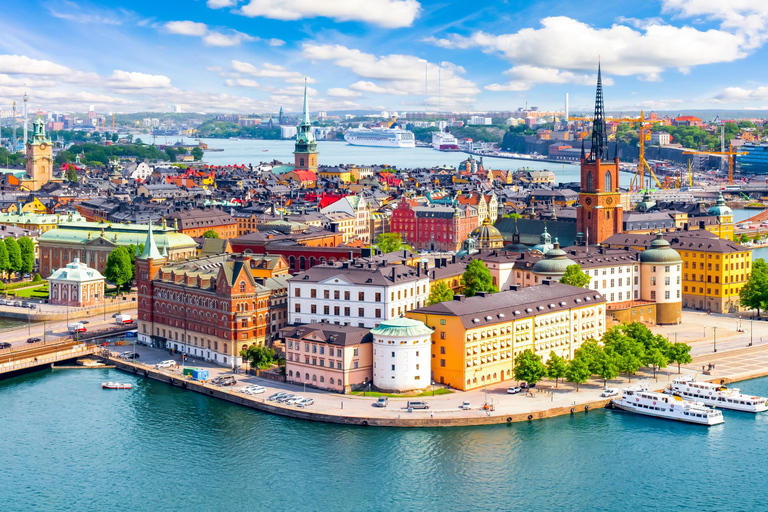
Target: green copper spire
[(39, 132), (305, 139), (150, 247), (305, 119)]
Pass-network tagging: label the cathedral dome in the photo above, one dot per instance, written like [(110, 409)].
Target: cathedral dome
[(660, 252), (545, 242), (720, 209), (487, 236), (554, 262)]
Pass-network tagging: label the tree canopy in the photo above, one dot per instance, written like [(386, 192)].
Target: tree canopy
[(679, 353), (210, 234), (477, 278), (27, 248), (575, 277), (119, 269), (439, 292), (556, 367), (577, 372), (259, 356), (390, 242), (754, 294), (529, 368), (14, 255)]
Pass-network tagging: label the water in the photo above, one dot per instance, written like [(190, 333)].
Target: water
[(67, 445)]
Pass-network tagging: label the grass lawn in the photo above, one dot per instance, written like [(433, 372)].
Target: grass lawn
[(38, 292), (439, 391)]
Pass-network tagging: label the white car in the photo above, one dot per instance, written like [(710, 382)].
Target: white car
[(295, 400), (305, 403), (609, 392), (466, 405), (254, 390), (166, 364)]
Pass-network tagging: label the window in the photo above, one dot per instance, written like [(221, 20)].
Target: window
[(361, 297), (338, 353), (378, 313), (442, 363), (346, 311), (378, 297), (346, 295), (653, 294), (653, 280), (590, 182), (608, 182), (297, 308), (442, 350), (326, 310), (666, 281), (313, 309), (356, 352), (442, 335), (336, 294), (442, 322), (393, 367), (297, 292), (360, 311), (666, 294), (354, 365), (242, 286), (336, 310), (313, 293), (326, 294)]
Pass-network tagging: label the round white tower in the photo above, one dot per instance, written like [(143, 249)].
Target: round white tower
[(402, 355), (661, 275)]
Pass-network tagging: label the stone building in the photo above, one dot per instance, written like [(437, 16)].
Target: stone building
[(402, 355), (76, 285)]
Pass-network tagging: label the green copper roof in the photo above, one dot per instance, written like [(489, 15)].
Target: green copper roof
[(660, 252), (150, 247), (401, 328)]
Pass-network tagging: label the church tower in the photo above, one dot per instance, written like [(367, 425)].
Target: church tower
[(148, 265), (599, 213), (39, 158), (305, 152)]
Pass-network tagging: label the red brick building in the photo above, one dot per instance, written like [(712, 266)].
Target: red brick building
[(433, 228)]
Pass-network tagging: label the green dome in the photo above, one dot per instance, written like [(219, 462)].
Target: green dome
[(401, 328), (660, 252), (554, 262), (720, 209), (487, 236), (545, 242)]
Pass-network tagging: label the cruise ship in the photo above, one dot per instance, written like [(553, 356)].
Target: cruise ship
[(444, 141), (639, 400), (717, 395), (381, 137)]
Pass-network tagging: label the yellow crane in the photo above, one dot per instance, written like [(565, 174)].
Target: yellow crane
[(731, 154)]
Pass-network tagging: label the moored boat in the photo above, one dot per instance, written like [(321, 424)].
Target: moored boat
[(639, 400), (717, 395), (115, 385)]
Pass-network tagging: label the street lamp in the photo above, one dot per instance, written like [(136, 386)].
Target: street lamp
[(714, 329), (751, 330)]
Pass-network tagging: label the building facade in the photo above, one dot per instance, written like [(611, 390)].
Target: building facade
[(39, 158), (433, 228), (402, 355), (76, 285), (196, 222)]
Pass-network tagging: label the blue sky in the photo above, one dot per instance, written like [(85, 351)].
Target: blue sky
[(252, 55)]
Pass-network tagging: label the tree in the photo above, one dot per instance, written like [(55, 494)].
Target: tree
[(477, 278), (577, 372), (679, 353), (629, 353), (754, 294), (639, 332), (132, 254), (210, 234), (37, 278), (607, 367), (119, 269), (115, 137), (4, 260), (72, 174), (656, 359), (197, 153), (390, 242), (439, 292), (138, 142), (575, 277), (556, 367), (529, 368), (27, 248), (259, 356), (590, 352), (744, 238), (14, 254)]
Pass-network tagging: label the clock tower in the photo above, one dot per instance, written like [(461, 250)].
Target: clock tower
[(39, 158), (599, 214), (305, 151)]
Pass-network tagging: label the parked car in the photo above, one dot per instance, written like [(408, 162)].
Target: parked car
[(285, 398), (513, 390), (33, 340), (27, 276), (84, 322), (276, 396), (130, 355), (295, 400), (306, 402), (381, 402), (25, 304), (609, 392), (465, 405), (253, 390), (170, 363), (5, 344), (417, 404), (228, 381)]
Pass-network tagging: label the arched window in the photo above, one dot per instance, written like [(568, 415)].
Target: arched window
[(333, 381), (314, 378), (608, 181), (590, 182), (301, 162), (242, 286)]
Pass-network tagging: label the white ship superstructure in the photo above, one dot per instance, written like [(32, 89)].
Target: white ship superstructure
[(717, 396), (444, 141), (381, 137), (639, 400)]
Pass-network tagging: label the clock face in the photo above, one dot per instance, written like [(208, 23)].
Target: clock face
[(588, 200), (42, 145), (609, 200)]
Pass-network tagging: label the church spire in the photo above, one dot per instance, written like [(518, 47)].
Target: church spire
[(150, 247), (305, 119), (599, 148)]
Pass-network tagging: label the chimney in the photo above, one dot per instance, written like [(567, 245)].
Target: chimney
[(483, 294), (514, 287), (547, 282), (459, 297)]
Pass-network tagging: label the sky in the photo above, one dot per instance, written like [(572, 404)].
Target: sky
[(254, 55)]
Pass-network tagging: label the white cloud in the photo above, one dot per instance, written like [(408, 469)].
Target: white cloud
[(267, 70), (187, 28), (384, 13), (340, 92), (23, 65), (524, 77), (745, 17), (218, 4), (398, 74), (242, 82), (232, 39), (134, 80), (742, 95), (275, 42), (659, 104)]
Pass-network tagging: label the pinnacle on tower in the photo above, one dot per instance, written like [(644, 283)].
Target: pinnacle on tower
[(150, 247), (305, 120), (599, 148)]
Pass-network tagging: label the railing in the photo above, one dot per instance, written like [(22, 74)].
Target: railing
[(75, 351)]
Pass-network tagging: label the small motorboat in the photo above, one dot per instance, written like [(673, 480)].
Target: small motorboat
[(114, 385)]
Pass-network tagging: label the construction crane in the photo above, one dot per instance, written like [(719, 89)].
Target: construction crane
[(731, 154)]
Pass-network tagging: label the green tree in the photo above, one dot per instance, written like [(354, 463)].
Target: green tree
[(5, 263), (132, 254), (477, 278), (115, 137), (513, 215), (679, 353), (259, 356), (210, 234), (14, 255), (529, 368), (754, 294), (197, 153), (37, 278), (590, 352), (628, 352), (744, 238), (390, 242), (118, 268), (72, 175), (607, 367), (138, 142), (556, 367), (639, 332), (439, 292), (577, 372), (27, 248), (575, 277), (656, 359)]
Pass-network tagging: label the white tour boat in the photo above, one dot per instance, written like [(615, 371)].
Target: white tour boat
[(381, 137), (115, 385), (717, 395), (639, 400)]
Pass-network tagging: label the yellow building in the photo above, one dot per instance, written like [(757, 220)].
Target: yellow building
[(33, 206), (39, 159), (343, 175), (39, 222), (714, 269), (476, 339), (724, 227)]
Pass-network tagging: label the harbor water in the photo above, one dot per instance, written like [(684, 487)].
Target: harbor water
[(68, 445)]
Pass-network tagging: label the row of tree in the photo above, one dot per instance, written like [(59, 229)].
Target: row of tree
[(17, 255), (624, 350)]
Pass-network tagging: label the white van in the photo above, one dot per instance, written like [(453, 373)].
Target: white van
[(76, 328)]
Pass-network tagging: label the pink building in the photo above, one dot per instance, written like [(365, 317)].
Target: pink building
[(328, 356), (77, 285)]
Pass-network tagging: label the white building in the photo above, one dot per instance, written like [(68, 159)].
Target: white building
[(660, 138), (357, 207), (661, 277), (360, 293), (77, 285), (287, 132), (482, 120), (402, 349)]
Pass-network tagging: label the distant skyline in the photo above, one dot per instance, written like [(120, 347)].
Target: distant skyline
[(252, 55)]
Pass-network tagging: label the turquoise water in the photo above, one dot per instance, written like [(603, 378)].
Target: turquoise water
[(67, 445)]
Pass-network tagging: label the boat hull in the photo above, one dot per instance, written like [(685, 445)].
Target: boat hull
[(667, 416), (724, 404)]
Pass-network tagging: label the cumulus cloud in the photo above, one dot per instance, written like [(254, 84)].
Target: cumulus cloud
[(135, 80), (21, 64), (745, 17), (209, 37), (218, 4), (187, 28), (524, 77), (267, 70), (242, 82), (340, 92), (232, 39), (384, 13), (742, 95)]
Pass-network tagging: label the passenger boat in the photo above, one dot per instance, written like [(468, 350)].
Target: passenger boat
[(639, 400), (114, 385), (717, 395), (381, 137)]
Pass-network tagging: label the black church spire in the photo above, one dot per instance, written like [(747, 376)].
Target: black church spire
[(599, 136)]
